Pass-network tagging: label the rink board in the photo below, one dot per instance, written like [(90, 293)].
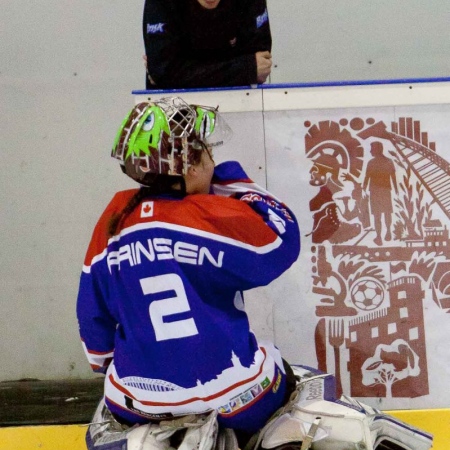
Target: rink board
[(370, 305)]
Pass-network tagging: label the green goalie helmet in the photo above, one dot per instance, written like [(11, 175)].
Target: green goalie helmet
[(165, 137), (211, 127)]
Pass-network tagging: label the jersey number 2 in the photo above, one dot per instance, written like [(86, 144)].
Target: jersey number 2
[(160, 309)]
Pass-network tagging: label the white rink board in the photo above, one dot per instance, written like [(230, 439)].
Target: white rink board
[(314, 95), (402, 332)]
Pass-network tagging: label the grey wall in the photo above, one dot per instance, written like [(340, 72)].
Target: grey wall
[(326, 40), (66, 73), (67, 69)]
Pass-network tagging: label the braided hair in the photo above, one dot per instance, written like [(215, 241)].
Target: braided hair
[(162, 184)]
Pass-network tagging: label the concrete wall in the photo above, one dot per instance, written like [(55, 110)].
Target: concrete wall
[(67, 69), (66, 75), (359, 40)]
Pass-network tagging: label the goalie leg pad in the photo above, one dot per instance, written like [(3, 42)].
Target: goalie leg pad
[(316, 418), (199, 431)]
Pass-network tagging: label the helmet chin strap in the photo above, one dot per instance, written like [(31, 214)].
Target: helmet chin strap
[(183, 191)]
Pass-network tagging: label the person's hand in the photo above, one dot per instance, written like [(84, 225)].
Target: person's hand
[(348, 177), (144, 57), (263, 66)]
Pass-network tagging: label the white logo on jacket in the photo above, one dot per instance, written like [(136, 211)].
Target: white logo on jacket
[(262, 19), (154, 28)]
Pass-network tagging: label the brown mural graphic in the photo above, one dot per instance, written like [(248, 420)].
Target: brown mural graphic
[(379, 249)]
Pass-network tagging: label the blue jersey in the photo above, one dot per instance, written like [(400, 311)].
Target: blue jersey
[(160, 305)]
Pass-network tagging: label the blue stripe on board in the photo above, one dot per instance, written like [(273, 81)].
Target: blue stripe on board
[(169, 91), (303, 85)]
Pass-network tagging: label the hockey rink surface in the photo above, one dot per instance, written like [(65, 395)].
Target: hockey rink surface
[(71, 437)]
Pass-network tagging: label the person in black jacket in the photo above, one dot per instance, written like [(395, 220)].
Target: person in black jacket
[(206, 43)]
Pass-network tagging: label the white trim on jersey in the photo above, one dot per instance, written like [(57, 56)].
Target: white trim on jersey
[(241, 187), (96, 359), (188, 230), (215, 394)]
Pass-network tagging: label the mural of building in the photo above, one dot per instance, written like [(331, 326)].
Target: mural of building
[(387, 351)]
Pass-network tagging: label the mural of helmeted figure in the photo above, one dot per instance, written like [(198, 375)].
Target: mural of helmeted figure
[(329, 223)]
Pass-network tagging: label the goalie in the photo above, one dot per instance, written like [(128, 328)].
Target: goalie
[(161, 311)]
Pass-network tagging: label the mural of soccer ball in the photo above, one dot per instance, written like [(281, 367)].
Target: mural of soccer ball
[(367, 294)]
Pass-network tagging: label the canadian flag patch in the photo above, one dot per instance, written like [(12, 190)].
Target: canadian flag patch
[(147, 209)]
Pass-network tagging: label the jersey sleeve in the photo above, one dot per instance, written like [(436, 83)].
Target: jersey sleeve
[(168, 63), (269, 218), (97, 323), (97, 326)]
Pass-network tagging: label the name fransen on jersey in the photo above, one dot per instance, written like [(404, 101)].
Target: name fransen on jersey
[(159, 249)]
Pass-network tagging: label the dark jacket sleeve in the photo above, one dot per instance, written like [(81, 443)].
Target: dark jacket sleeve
[(171, 66), (256, 35)]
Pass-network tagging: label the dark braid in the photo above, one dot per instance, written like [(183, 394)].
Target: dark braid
[(162, 184), (117, 218)]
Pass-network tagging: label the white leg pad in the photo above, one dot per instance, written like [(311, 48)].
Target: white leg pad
[(343, 424)]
